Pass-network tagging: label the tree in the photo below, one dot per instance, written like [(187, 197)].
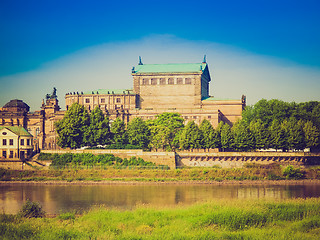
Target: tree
[(261, 134), (295, 134), (311, 134), (227, 140), (210, 137), (243, 137), (72, 127), (138, 133), (164, 130), (190, 137), (278, 135), (118, 130), (98, 133)]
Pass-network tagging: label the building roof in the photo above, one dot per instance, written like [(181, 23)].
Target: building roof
[(18, 130), (16, 103), (109, 91), (170, 68)]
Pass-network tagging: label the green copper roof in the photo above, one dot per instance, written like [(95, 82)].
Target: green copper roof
[(110, 91), (170, 68), (18, 130)]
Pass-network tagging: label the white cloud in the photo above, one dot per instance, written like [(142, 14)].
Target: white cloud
[(233, 71)]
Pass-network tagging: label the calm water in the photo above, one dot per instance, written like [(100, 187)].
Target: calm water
[(61, 198)]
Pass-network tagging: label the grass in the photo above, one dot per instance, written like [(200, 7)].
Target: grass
[(223, 219), (251, 172)]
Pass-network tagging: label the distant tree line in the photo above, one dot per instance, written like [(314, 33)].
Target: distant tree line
[(268, 124)]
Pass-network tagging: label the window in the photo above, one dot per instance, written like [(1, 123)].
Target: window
[(179, 81), (4, 154), (118, 100), (188, 80), (103, 100), (87, 100), (28, 142), (154, 81), (162, 81), (11, 154), (171, 81), (11, 142), (22, 142), (145, 81), (37, 131), (4, 142), (209, 117)]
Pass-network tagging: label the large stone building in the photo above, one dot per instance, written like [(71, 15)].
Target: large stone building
[(157, 88)]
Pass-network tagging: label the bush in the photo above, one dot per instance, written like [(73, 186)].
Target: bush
[(32, 210), (292, 173), (67, 216)]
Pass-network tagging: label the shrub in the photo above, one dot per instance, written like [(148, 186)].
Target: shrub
[(292, 173), (67, 216), (272, 176), (32, 210)]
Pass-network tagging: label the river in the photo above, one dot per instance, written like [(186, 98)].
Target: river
[(60, 198)]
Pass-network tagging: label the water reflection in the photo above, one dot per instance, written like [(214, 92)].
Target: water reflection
[(62, 198)]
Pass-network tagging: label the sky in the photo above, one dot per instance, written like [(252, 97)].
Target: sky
[(261, 49)]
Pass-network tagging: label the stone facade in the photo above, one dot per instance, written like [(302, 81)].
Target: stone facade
[(157, 88)]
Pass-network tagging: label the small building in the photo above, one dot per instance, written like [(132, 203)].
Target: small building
[(16, 143)]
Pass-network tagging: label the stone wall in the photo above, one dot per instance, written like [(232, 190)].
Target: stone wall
[(168, 91), (239, 159), (196, 158), (15, 165)]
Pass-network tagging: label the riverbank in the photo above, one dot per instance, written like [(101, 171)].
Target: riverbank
[(221, 219), (119, 182), (253, 173)]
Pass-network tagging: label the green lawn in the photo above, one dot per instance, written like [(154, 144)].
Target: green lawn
[(223, 219)]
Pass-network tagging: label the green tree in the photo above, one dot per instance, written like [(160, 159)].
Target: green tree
[(243, 137), (278, 135), (118, 130), (138, 133), (210, 137), (72, 127), (98, 133), (248, 114), (190, 137), (227, 140), (261, 134), (296, 140), (311, 134), (164, 130)]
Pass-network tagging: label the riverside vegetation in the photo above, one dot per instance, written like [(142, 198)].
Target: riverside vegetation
[(107, 167), (222, 219)]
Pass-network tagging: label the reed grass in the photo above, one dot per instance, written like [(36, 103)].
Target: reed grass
[(251, 172), (222, 219)]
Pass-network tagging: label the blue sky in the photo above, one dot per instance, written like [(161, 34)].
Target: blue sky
[(263, 49)]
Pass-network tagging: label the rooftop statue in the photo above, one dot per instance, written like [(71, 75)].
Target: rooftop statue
[(53, 95)]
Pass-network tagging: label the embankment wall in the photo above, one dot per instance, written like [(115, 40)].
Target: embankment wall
[(239, 159), (195, 158)]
